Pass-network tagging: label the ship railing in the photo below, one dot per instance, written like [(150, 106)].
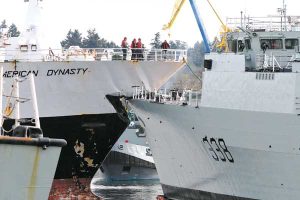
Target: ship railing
[(167, 96), (273, 62), (136, 54), (269, 23), (27, 54)]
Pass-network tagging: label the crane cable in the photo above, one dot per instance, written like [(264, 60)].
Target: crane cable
[(9, 108), (189, 67), (219, 18), (176, 9)]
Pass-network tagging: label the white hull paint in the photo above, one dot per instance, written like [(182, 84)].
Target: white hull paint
[(264, 147), (76, 88), (27, 171), (115, 172), (134, 153)]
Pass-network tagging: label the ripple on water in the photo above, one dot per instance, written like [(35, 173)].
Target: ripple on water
[(126, 190)]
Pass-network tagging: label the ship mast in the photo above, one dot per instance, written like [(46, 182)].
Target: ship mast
[(282, 12)]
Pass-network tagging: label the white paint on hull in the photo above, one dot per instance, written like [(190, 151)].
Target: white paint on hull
[(27, 171), (83, 90), (264, 145), (136, 147), (134, 150)]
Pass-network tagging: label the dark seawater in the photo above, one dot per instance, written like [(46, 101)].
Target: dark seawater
[(127, 190)]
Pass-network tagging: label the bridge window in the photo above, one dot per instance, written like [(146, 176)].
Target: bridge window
[(33, 47), (271, 44), (291, 43), (241, 46), (24, 47), (248, 43), (233, 46)]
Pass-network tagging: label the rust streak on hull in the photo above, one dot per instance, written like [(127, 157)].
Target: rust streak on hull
[(33, 179)]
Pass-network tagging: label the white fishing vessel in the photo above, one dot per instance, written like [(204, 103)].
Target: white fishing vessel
[(130, 158), (71, 87), (28, 160), (240, 140)]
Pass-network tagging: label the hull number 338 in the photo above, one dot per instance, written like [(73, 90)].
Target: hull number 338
[(218, 149)]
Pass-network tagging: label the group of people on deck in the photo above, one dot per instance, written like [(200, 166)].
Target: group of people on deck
[(137, 48)]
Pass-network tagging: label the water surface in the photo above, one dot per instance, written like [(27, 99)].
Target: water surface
[(127, 190)]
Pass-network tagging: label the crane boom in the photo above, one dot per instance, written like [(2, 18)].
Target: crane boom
[(177, 8), (221, 45), (200, 26)]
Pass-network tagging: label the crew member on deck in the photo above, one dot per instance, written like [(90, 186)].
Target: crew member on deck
[(124, 46), (165, 45), (133, 49), (139, 45)]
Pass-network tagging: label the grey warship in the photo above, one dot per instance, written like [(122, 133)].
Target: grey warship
[(240, 140)]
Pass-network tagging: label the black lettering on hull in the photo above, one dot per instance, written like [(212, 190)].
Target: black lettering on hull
[(23, 73)]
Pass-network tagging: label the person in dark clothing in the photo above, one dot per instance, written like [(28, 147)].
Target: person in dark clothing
[(165, 45), (139, 45), (133, 47), (124, 46)]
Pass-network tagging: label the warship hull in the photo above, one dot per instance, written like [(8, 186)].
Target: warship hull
[(128, 162), (129, 159), (216, 153)]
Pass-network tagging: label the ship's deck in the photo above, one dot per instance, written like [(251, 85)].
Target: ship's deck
[(30, 54)]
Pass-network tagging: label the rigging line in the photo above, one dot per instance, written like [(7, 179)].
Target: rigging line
[(11, 94), (193, 72)]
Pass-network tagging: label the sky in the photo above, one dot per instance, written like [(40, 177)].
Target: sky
[(114, 19)]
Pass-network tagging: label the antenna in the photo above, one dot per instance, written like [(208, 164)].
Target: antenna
[(282, 12)]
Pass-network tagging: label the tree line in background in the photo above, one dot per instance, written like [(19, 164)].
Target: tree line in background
[(12, 29), (195, 54), (92, 40)]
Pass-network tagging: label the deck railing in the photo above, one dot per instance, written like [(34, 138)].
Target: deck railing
[(180, 97), (92, 54), (271, 61), (269, 23)]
